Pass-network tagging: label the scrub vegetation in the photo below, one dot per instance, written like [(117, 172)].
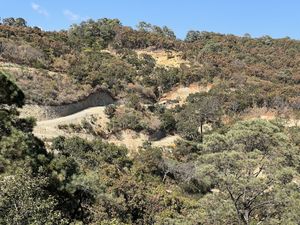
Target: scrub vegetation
[(224, 169)]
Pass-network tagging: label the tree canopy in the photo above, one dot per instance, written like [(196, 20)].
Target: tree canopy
[(10, 94)]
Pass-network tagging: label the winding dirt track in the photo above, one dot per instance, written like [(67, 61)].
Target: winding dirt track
[(49, 128)]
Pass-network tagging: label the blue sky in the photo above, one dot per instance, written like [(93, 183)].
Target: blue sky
[(277, 18)]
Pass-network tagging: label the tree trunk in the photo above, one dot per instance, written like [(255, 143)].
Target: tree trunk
[(201, 132), (246, 217)]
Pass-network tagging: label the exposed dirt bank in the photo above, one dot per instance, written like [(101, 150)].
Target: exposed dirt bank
[(41, 113)]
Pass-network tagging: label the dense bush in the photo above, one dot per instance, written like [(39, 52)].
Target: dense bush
[(24, 198), (201, 109), (93, 34), (129, 119)]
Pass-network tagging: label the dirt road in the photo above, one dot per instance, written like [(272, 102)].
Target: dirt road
[(49, 128)]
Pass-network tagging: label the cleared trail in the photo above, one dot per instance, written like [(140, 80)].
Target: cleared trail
[(49, 128)]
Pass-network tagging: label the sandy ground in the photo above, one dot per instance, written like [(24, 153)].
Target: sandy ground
[(168, 141), (181, 93), (48, 129), (130, 139), (164, 58), (134, 141), (269, 114)]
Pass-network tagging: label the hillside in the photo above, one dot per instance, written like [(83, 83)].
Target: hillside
[(106, 124)]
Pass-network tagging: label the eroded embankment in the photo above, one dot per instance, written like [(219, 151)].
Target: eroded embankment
[(49, 129), (99, 98)]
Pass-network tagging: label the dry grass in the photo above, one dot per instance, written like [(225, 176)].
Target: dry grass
[(181, 93), (165, 58), (285, 117), (45, 87), (129, 138), (50, 128), (168, 142), (261, 113)]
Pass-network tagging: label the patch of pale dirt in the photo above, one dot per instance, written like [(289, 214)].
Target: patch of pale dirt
[(180, 94), (46, 130), (261, 113), (268, 114), (165, 58), (133, 140), (129, 138), (296, 180), (49, 129), (293, 123), (36, 111), (271, 114), (169, 141)]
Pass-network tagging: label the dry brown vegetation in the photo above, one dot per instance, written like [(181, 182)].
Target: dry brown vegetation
[(45, 87), (206, 129), (165, 58)]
